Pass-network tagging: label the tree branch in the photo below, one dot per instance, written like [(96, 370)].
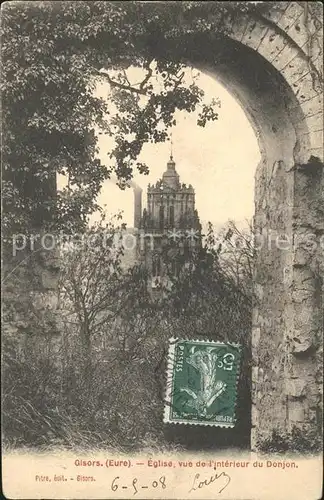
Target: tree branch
[(121, 86), (148, 75)]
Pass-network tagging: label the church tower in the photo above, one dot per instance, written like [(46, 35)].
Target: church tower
[(171, 227)]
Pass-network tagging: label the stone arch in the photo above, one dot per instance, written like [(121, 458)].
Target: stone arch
[(272, 64), (290, 38)]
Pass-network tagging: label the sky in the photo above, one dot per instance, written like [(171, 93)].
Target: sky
[(219, 161)]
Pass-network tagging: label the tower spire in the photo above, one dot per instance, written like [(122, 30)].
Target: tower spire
[(171, 152)]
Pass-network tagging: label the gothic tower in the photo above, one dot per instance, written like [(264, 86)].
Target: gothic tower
[(170, 226)]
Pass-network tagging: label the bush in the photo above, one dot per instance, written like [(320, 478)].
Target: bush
[(109, 392)]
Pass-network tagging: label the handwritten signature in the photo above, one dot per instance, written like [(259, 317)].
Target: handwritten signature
[(198, 484)]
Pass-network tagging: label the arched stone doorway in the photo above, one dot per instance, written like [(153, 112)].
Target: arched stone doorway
[(272, 65)]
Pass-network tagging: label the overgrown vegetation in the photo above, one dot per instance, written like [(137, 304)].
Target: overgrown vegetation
[(98, 379), (297, 441), (53, 55)]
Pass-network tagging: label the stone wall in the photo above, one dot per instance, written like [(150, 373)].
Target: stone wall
[(273, 66), (288, 313)]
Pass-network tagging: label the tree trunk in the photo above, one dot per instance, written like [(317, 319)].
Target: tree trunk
[(86, 365)]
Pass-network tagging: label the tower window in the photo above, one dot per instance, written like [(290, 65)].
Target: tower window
[(171, 216), (175, 267), (161, 217), (156, 266)]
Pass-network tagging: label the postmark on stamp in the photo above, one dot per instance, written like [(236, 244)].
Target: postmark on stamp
[(202, 382)]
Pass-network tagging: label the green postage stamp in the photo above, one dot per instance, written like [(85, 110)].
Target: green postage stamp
[(202, 382)]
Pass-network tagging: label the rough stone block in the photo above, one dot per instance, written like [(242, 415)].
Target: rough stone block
[(315, 121), (237, 27), (315, 51), (293, 13), (313, 105), (296, 412), (302, 344), (299, 31), (318, 152), (255, 337), (271, 45), (301, 368), (316, 138), (255, 414), (296, 388), (295, 69), (285, 56), (254, 33), (307, 88)]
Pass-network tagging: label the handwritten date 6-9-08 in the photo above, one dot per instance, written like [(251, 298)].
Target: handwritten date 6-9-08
[(136, 486)]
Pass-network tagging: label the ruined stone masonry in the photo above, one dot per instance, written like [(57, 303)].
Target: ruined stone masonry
[(273, 65), (283, 95)]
